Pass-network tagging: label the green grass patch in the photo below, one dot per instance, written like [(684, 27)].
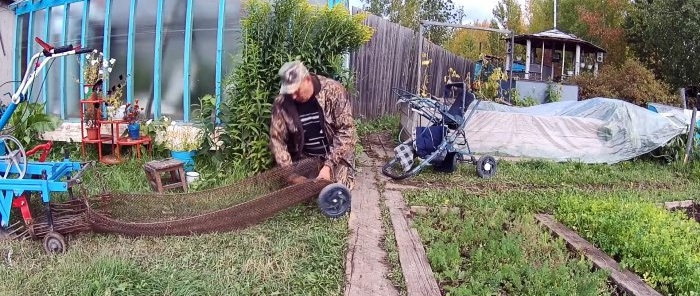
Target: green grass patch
[(661, 246), (494, 247), (297, 252)]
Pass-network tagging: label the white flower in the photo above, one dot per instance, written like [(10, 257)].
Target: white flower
[(149, 121), (109, 69), (93, 62), (94, 50), (101, 72), (105, 64), (112, 61), (219, 143)]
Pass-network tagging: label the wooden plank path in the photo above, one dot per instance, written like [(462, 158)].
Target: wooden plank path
[(366, 270), (420, 279), (625, 279)]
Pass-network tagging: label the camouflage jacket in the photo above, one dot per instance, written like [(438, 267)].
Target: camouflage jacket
[(287, 136)]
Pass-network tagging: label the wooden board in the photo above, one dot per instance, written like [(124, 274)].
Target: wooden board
[(414, 263), (679, 204), (628, 281), (365, 268)]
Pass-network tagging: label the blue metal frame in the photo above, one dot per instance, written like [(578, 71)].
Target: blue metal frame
[(30, 33), (219, 52), (186, 78), (47, 35), (130, 54), (64, 74), (55, 171), (105, 43), (28, 6), (83, 42), (157, 59)]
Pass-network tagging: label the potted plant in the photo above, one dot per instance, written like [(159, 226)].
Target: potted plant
[(182, 141), (114, 100), (132, 115), (90, 119), (97, 68)]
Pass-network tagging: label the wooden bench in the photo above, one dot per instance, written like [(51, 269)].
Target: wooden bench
[(154, 170)]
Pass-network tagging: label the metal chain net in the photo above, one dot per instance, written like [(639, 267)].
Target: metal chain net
[(226, 208)]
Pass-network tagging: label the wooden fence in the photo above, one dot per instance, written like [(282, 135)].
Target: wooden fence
[(389, 60)]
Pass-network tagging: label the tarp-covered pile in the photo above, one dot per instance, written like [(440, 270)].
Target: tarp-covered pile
[(598, 130)]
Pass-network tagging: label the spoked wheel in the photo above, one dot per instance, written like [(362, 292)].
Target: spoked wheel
[(486, 167), (334, 200), (13, 159), (54, 243)]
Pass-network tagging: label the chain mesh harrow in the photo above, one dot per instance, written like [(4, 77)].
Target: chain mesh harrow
[(221, 209)]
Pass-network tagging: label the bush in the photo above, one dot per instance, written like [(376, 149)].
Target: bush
[(631, 82), (660, 246), (275, 33)]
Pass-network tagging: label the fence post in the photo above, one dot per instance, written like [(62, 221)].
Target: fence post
[(691, 136), (683, 99), (420, 61)]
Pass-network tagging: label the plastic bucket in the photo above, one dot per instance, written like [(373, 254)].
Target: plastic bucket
[(185, 156), (192, 177)]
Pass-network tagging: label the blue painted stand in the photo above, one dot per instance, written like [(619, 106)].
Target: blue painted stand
[(185, 156)]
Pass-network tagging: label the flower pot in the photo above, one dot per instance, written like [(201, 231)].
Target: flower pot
[(93, 133), (186, 157), (192, 177), (134, 131)]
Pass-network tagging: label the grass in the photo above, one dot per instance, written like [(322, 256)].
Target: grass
[(297, 252), (494, 247)]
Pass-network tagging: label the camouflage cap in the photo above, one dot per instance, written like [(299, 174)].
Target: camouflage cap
[(291, 75)]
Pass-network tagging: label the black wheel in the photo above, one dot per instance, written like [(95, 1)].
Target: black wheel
[(486, 167), (334, 200), (54, 243)]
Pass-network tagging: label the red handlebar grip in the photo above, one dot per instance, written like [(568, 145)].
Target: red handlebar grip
[(43, 44)]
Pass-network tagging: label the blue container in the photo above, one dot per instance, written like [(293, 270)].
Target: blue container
[(134, 131), (185, 156)]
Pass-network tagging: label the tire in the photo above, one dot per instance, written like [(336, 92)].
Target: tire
[(54, 243), (334, 200), (486, 167)]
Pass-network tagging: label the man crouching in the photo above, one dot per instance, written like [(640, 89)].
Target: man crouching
[(312, 117)]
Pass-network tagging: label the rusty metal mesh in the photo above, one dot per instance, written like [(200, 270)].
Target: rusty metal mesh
[(220, 209)]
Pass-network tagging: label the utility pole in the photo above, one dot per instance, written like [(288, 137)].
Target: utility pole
[(555, 14)]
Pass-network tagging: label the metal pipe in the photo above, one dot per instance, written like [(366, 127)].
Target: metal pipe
[(420, 51), (431, 23)]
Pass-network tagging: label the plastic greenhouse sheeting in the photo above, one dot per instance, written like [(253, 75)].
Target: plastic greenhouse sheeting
[(598, 130)]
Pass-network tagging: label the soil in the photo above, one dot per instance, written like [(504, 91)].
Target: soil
[(693, 211)]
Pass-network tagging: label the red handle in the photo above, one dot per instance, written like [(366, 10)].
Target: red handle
[(45, 149)]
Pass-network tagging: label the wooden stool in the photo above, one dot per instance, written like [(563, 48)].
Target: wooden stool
[(155, 168)]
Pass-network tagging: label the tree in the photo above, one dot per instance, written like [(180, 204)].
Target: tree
[(409, 13), (471, 43), (508, 14), (664, 34)]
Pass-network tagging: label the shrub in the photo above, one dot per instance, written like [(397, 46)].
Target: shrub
[(660, 246), (631, 82), (274, 33)]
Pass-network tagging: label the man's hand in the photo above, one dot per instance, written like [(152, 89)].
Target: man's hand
[(325, 173)]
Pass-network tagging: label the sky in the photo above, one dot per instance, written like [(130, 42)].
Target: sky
[(473, 9)]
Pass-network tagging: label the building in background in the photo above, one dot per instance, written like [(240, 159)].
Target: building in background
[(171, 52)]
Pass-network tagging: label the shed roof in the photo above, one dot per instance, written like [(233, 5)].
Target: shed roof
[(537, 39)]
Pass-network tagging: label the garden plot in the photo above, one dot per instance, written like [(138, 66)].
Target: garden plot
[(489, 242)]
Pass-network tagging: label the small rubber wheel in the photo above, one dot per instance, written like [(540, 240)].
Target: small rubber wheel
[(334, 200), (486, 167), (54, 243)]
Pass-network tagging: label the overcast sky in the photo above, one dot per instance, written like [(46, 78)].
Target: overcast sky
[(473, 9)]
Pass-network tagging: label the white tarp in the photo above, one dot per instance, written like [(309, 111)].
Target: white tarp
[(598, 130)]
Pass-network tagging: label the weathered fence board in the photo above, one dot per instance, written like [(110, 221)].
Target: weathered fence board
[(390, 60)]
